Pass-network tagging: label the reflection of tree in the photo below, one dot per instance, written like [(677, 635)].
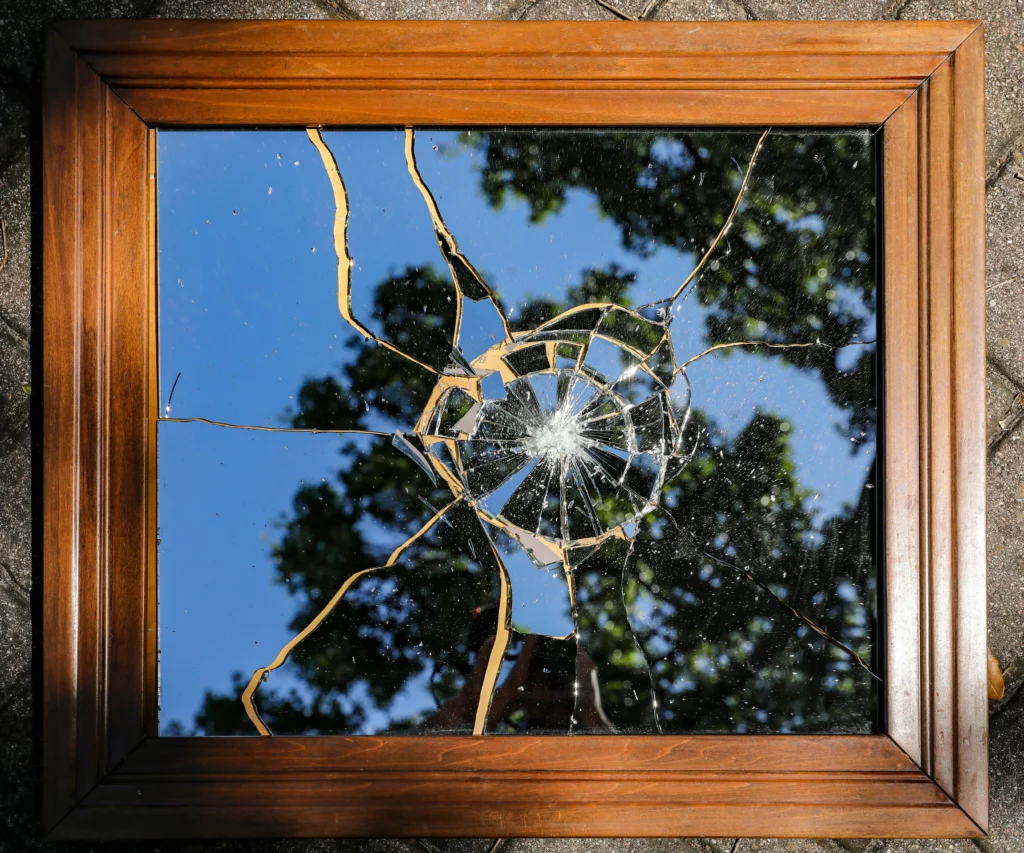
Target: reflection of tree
[(798, 263), (417, 313), (663, 619), (611, 285), (724, 655)]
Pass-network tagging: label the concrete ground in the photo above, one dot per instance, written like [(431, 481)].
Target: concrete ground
[(21, 23)]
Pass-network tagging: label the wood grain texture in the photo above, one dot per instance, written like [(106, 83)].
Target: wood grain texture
[(106, 81), (937, 380), (934, 528), (93, 427), (468, 786), (558, 73), (865, 754), (126, 422), (514, 808), (62, 268), (397, 812), (937, 594), (968, 239), (900, 419), (594, 106), (719, 41), (92, 635)]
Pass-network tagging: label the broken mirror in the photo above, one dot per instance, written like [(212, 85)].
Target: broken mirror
[(499, 431)]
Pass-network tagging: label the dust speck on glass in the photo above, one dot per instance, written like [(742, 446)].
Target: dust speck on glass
[(517, 431)]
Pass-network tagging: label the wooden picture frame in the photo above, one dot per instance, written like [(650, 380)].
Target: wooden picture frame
[(109, 84)]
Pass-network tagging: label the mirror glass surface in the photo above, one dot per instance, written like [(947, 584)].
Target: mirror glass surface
[(517, 431)]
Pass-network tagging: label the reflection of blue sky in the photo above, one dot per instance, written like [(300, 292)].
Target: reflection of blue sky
[(521, 260), (248, 306), (732, 387), (221, 495)]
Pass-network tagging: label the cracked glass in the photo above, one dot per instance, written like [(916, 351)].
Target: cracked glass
[(500, 431)]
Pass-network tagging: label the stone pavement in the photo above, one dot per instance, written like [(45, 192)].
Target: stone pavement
[(21, 23)]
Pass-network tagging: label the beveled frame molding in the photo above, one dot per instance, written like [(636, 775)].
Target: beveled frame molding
[(108, 84)]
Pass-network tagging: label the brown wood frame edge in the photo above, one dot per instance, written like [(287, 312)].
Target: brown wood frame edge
[(107, 84)]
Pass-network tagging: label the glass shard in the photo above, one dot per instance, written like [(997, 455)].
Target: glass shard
[(410, 450)]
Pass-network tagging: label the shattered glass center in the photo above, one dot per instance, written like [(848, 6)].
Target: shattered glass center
[(557, 434), (562, 452)]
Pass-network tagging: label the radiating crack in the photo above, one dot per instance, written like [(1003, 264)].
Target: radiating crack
[(767, 345), (345, 262), (636, 641), (257, 677), (499, 646), (462, 271), (728, 220), (750, 576), (257, 428)]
